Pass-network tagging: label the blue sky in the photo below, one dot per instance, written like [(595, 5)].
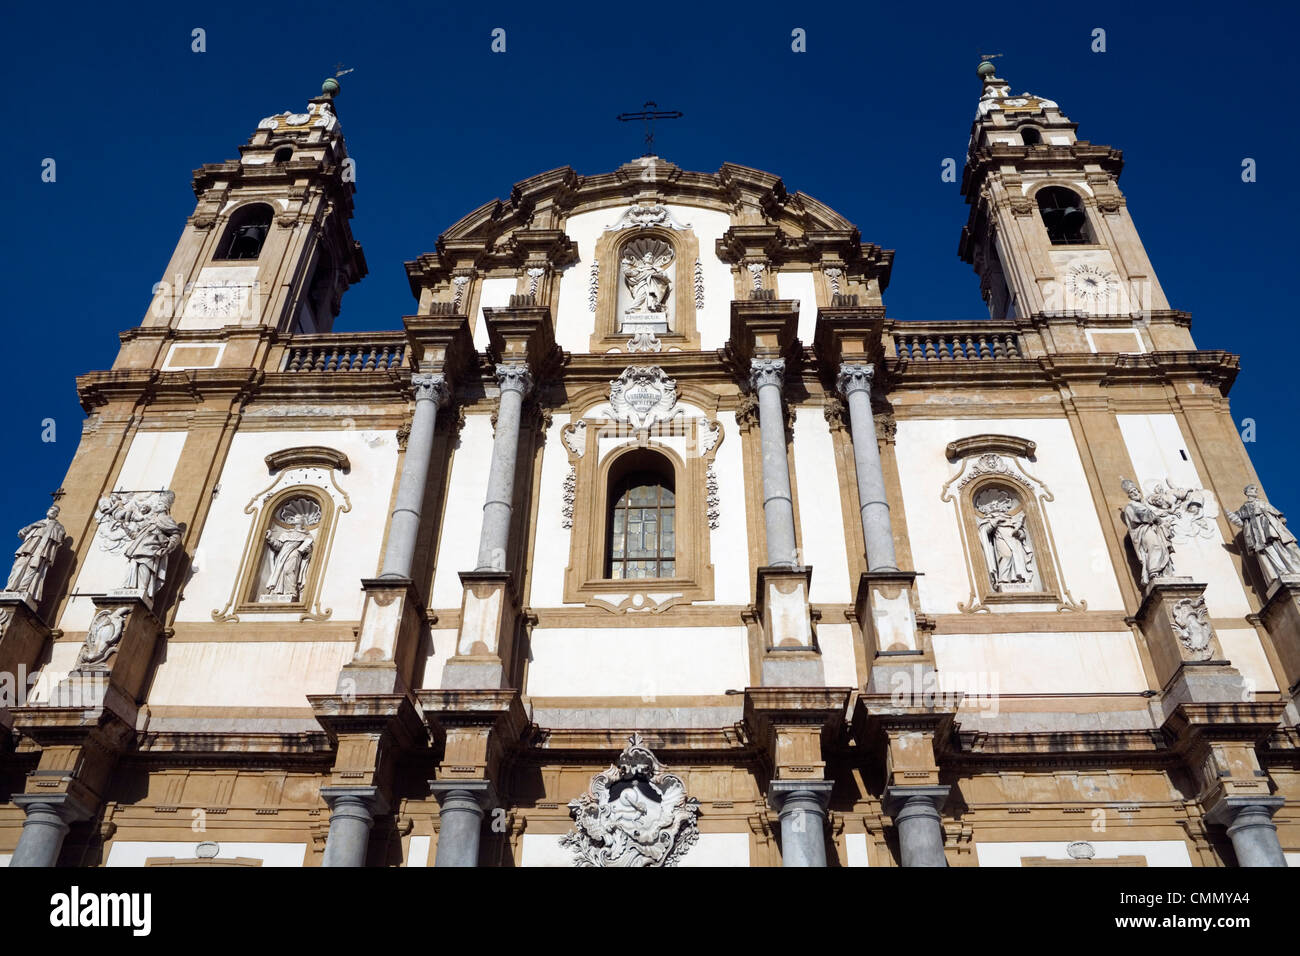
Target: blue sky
[(439, 124)]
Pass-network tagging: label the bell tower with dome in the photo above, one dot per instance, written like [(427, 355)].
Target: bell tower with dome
[(269, 244), (649, 538), (1049, 232)]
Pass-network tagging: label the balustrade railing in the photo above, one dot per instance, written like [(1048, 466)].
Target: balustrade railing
[(345, 353), (963, 342)]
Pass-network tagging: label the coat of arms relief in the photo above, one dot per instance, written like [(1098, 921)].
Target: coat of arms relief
[(634, 814)]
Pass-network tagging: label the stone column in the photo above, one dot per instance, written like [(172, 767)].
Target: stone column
[(515, 381), (801, 805), (854, 382), (45, 828), (1250, 827), (351, 817), (460, 820), (766, 377), (431, 391), (920, 825)]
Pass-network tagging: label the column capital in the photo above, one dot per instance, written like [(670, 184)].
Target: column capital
[(461, 793), (63, 805), (1226, 810), (431, 386), (855, 377), (766, 371), (927, 798), (781, 793), (514, 377), (358, 801)]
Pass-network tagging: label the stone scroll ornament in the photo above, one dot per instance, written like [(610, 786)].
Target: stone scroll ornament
[(102, 638), (35, 556), (643, 395), (1150, 530), (140, 526), (1192, 625), (634, 814), (1266, 536)]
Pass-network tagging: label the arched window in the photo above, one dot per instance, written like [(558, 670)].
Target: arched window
[(1030, 136), (246, 232), (1063, 215), (283, 154), (642, 521)]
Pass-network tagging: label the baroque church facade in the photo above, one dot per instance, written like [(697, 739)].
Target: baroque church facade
[(650, 539)]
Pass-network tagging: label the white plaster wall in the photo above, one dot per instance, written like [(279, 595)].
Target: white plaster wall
[(1154, 443), (494, 294), (836, 643), (1043, 663), (462, 519), (1157, 852), (551, 543), (574, 322), (357, 539), (712, 849), (135, 852), (150, 463), (933, 525), (1243, 649), (821, 524), (444, 646), (856, 845), (729, 541), (799, 285), (652, 661), (247, 674), (418, 852)]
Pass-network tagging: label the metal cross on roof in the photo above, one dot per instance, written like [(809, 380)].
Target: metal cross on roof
[(649, 113)]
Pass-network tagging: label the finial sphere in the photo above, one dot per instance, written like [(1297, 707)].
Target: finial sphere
[(330, 87), (985, 68)]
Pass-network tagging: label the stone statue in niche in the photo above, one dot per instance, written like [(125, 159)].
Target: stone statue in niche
[(290, 541), (1004, 539), (1266, 536), (1150, 531), (34, 557), (644, 269), (635, 814), (1185, 508), (140, 525)]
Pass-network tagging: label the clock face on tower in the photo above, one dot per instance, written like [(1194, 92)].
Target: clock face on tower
[(221, 300), (1091, 285)]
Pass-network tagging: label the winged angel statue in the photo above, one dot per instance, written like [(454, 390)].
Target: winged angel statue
[(634, 814)]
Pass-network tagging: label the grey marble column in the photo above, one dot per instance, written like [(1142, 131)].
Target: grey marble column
[(1251, 829), (431, 392), (460, 820), (801, 805), (515, 381), (44, 829), (854, 382), (766, 377), (919, 823), (351, 817)]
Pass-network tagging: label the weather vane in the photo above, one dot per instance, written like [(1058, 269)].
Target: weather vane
[(339, 71), (649, 114)]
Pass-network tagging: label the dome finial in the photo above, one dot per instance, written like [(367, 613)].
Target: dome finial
[(986, 68)]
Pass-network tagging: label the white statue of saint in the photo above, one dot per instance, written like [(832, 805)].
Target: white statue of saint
[(1005, 541), (291, 543), (1266, 536), (35, 556), (644, 273)]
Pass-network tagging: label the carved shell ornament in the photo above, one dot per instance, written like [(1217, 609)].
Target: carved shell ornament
[(302, 510)]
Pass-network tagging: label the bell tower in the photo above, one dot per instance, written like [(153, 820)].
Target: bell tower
[(1049, 233), (269, 244)]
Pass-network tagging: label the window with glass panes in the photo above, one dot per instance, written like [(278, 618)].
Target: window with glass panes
[(641, 528)]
